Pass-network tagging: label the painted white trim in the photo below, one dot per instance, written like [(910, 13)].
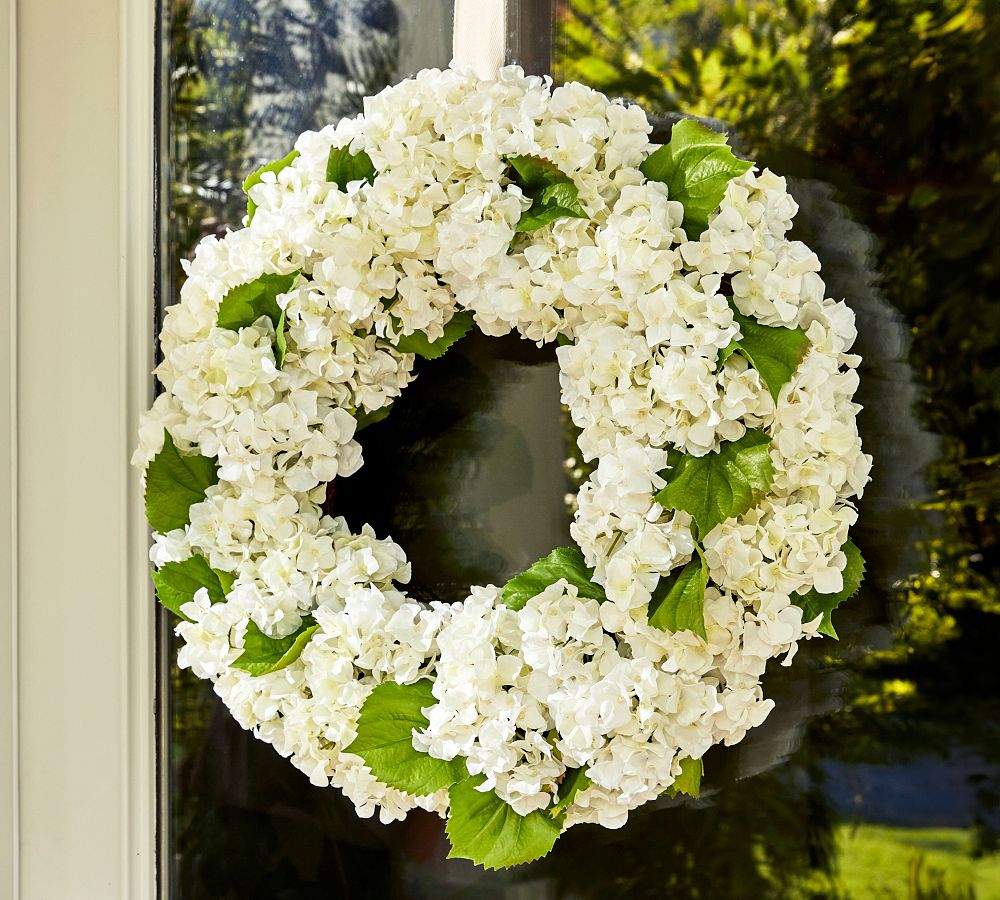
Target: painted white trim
[(85, 735), (136, 363), (9, 857)]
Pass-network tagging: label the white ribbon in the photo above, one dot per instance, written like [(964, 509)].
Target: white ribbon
[(480, 37)]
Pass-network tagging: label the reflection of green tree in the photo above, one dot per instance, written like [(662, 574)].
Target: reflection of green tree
[(762, 838), (206, 106), (748, 63)]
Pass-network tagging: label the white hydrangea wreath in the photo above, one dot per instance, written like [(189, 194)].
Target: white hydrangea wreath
[(709, 376)]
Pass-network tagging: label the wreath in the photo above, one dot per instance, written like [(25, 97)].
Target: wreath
[(708, 375)]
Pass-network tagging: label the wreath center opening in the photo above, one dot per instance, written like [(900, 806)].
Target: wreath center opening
[(467, 472)]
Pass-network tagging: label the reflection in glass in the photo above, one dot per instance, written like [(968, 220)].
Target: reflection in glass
[(878, 774), (885, 115)]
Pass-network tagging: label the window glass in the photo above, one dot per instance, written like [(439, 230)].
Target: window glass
[(468, 474), (878, 773)]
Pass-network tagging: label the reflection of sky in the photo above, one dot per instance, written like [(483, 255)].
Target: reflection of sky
[(310, 62), (926, 793)]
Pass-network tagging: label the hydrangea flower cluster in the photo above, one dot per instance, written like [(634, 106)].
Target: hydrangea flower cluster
[(643, 312)]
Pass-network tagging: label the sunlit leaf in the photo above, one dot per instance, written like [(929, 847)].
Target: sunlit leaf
[(263, 654), (678, 603), (696, 165), (389, 716), (563, 562), (257, 177), (177, 582), (174, 481), (689, 781), (483, 828), (816, 604), (722, 484)]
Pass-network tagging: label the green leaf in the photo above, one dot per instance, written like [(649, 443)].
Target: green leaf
[(389, 716), (722, 484), (280, 345), (263, 654), (563, 562), (552, 193), (575, 781), (775, 352), (534, 174), (674, 458), (174, 481), (255, 178), (457, 327), (814, 603), (689, 781), (343, 167), (226, 580), (483, 828), (678, 603), (365, 418), (696, 165), (177, 582), (245, 304)]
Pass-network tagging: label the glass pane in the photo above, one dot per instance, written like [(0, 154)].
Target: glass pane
[(877, 775), (467, 474)]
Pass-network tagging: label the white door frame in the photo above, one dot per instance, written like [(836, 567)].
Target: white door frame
[(77, 748)]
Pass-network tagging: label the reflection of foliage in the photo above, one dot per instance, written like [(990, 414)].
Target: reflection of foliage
[(928, 883), (896, 103), (207, 113), (750, 842), (912, 864), (744, 62)]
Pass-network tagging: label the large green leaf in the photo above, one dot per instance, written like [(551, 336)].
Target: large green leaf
[(678, 603), (815, 604), (178, 582), (263, 654), (483, 828), (775, 352), (689, 781), (390, 714), (343, 167), (696, 165), (174, 481), (256, 178), (552, 193), (245, 304), (575, 781), (722, 484), (563, 562), (457, 327)]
